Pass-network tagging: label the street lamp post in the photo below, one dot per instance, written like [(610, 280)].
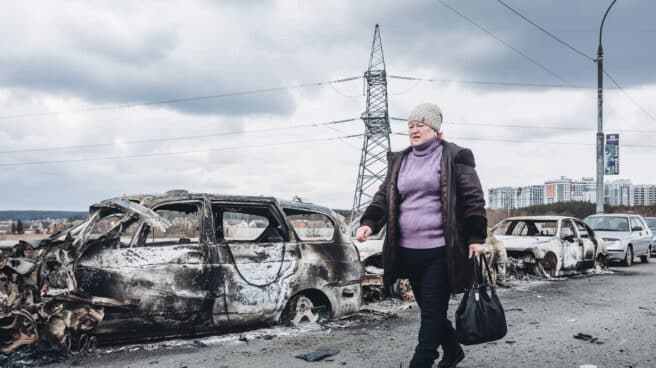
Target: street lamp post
[(600, 118)]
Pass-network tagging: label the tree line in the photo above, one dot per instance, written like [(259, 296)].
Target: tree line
[(577, 209)]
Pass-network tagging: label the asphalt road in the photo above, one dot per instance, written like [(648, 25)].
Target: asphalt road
[(619, 309)]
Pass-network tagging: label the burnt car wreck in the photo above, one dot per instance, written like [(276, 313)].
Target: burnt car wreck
[(178, 264), (550, 246)]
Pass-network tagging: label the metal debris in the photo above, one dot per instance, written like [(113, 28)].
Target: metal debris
[(318, 354), (588, 338), (36, 304), (38, 289)]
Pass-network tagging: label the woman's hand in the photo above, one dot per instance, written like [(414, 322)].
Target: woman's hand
[(477, 249), (362, 233)]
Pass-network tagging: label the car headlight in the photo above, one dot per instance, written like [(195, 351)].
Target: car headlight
[(613, 243)]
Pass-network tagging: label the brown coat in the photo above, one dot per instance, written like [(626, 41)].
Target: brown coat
[(463, 213)]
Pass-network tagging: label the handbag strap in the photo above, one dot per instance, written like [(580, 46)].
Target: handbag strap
[(487, 267), (477, 270)]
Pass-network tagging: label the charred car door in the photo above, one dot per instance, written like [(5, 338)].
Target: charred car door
[(257, 261), (572, 252), (159, 271), (587, 244)]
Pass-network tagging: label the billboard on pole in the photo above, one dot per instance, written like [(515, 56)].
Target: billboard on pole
[(612, 153)]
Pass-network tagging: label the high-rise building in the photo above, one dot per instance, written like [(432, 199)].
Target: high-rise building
[(619, 193), (502, 198), (558, 190), (644, 195), (531, 195), (584, 190)]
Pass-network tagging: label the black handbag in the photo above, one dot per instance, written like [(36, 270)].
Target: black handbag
[(480, 317)]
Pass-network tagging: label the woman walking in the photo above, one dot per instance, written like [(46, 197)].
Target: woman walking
[(434, 208)]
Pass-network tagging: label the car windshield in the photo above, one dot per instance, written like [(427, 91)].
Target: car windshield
[(608, 223), (527, 227), (651, 222)]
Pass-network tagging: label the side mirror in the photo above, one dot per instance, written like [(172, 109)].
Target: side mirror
[(636, 228)]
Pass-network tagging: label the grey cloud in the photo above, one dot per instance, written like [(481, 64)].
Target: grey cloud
[(107, 86), (149, 66), (145, 49)]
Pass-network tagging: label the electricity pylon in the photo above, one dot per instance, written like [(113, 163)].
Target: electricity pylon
[(376, 144)]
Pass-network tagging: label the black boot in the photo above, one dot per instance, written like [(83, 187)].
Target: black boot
[(452, 358)]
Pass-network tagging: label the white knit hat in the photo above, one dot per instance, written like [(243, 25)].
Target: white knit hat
[(427, 113)]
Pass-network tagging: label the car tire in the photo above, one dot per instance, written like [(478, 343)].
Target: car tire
[(645, 258), (301, 310), (601, 262), (628, 257), (550, 265)]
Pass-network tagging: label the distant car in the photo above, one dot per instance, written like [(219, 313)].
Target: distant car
[(179, 264), (558, 244), (627, 236), (651, 223)]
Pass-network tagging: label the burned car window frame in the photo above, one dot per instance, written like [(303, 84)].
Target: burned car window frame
[(327, 219), (566, 223), (587, 231), (510, 226), (275, 222), (140, 237)]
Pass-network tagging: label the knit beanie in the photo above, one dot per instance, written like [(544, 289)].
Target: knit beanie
[(429, 114)]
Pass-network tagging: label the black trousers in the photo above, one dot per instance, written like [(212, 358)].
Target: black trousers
[(427, 271)]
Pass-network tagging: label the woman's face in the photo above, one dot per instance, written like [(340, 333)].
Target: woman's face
[(419, 132)]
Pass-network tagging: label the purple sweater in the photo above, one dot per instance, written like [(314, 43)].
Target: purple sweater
[(420, 212)]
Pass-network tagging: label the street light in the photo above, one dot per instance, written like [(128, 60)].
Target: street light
[(600, 118)]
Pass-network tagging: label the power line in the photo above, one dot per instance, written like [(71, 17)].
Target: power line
[(344, 94), (178, 138), (156, 154), (508, 84), (415, 83), (651, 116), (502, 125), (629, 96), (536, 141), (179, 100), (519, 52), (547, 32)]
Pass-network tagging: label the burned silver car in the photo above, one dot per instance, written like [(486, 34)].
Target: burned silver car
[(178, 264), (551, 245)]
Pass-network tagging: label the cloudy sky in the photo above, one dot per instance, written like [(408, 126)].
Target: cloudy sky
[(104, 98)]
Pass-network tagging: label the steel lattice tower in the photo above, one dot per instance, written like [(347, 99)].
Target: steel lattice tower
[(373, 161)]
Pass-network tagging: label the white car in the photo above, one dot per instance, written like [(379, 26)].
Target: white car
[(651, 223), (627, 236)]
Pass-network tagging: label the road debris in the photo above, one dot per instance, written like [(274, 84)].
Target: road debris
[(318, 354), (588, 338)]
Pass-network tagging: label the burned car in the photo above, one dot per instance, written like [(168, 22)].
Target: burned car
[(178, 264), (550, 245)]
